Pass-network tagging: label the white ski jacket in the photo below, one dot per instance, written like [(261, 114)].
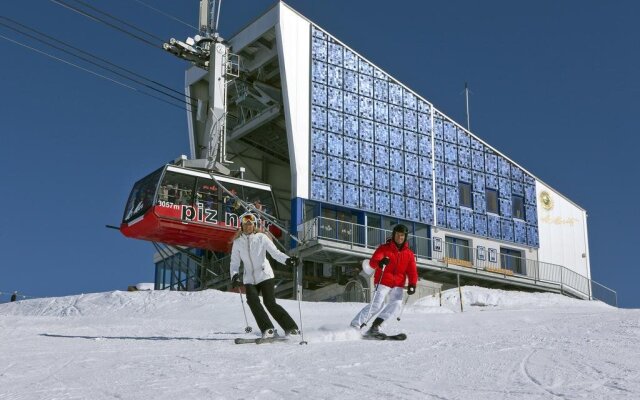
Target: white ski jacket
[(251, 250)]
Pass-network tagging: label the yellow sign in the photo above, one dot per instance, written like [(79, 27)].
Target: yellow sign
[(546, 200), (559, 220)]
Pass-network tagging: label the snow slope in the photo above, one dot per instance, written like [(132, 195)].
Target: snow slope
[(170, 345)]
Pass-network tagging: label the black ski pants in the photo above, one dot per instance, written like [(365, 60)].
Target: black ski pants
[(267, 289)]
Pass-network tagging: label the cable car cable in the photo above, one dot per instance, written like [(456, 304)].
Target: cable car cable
[(79, 11), (93, 72), (166, 14), (119, 20), (94, 56), (94, 63)]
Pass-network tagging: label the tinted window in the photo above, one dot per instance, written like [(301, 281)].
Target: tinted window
[(458, 248), (252, 198), (207, 193), (512, 260), (492, 201), (141, 197), (177, 189), (517, 205), (465, 194)]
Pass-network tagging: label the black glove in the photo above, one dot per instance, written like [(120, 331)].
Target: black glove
[(291, 261), (235, 281), (411, 290), (383, 263)]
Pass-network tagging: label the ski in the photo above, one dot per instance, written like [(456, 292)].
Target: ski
[(383, 336), (261, 340)]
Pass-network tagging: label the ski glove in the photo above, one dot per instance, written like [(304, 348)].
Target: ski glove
[(235, 281), (292, 261), (411, 290), (383, 263)]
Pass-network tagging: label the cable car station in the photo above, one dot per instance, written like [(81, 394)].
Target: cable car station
[(330, 152)]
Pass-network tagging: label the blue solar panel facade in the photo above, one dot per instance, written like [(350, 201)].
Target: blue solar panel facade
[(377, 147)]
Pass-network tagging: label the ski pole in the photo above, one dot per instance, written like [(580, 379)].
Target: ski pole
[(404, 303), (299, 295), (302, 341), (373, 298), (247, 328)]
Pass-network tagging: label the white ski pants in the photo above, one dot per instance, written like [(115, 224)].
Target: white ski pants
[(370, 310)]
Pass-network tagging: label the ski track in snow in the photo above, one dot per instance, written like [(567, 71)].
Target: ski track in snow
[(167, 345)]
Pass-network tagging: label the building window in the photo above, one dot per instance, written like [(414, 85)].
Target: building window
[(512, 260), (517, 206), (492, 201), (466, 199), (458, 248), (311, 210)]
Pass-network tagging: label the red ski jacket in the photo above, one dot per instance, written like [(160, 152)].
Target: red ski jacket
[(402, 265)]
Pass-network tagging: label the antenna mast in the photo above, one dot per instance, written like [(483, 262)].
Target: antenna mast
[(466, 96), (208, 51)]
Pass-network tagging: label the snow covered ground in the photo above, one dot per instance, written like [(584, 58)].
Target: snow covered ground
[(178, 345)]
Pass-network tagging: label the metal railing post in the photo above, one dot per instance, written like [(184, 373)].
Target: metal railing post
[(366, 231), (460, 292)]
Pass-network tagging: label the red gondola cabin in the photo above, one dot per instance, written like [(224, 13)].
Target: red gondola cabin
[(196, 209)]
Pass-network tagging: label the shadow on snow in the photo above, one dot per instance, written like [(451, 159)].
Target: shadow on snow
[(143, 337)]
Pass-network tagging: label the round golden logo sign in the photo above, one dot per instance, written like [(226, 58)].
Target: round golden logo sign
[(546, 201)]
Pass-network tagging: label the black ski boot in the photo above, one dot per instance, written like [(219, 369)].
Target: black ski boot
[(375, 327)]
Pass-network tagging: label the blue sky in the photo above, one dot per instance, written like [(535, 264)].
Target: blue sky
[(554, 87)]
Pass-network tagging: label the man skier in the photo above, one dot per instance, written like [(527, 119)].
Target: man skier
[(251, 247), (393, 263)]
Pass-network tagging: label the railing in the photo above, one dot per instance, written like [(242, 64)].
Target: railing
[(450, 254)]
